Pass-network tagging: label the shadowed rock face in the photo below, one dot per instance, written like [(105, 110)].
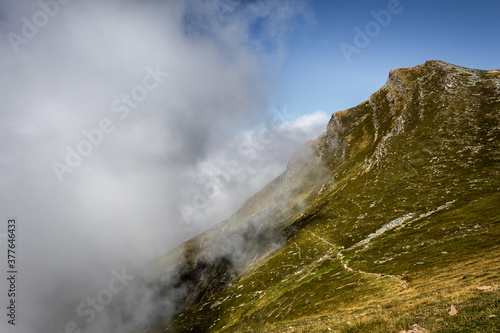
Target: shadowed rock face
[(407, 174), (212, 278), (334, 136)]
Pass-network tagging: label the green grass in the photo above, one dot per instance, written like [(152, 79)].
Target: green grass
[(427, 147), (481, 313)]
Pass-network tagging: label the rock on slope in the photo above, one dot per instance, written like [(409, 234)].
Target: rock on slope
[(395, 203)]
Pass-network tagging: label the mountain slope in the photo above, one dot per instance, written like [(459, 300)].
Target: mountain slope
[(394, 209)]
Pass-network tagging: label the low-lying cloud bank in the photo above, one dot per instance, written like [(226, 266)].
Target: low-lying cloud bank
[(127, 127)]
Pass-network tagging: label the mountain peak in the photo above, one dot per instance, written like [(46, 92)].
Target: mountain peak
[(397, 199)]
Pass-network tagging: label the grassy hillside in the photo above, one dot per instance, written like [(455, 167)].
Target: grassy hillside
[(379, 225)]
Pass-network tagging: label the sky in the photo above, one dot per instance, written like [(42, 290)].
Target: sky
[(317, 72), (127, 127)]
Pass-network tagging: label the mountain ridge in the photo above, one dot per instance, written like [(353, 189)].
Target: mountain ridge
[(394, 189)]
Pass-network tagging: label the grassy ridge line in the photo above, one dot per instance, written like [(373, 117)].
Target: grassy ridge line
[(429, 137)]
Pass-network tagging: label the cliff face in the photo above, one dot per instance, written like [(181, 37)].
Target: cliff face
[(400, 190)]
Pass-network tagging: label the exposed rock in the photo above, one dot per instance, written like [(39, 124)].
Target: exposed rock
[(453, 310), (334, 135)]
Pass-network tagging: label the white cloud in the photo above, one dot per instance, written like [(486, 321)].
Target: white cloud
[(243, 165), (120, 206)]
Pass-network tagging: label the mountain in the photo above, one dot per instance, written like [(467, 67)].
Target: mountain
[(382, 224)]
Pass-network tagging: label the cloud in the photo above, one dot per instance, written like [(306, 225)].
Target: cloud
[(243, 165), (119, 206)]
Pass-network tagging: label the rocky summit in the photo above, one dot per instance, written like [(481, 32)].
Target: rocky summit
[(383, 224)]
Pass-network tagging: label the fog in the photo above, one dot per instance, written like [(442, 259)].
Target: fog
[(127, 127)]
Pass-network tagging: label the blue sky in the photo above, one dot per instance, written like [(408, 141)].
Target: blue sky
[(317, 76)]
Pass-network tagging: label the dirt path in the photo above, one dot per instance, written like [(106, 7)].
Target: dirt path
[(403, 283)]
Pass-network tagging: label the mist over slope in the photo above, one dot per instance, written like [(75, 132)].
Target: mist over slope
[(156, 73), (395, 202)]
